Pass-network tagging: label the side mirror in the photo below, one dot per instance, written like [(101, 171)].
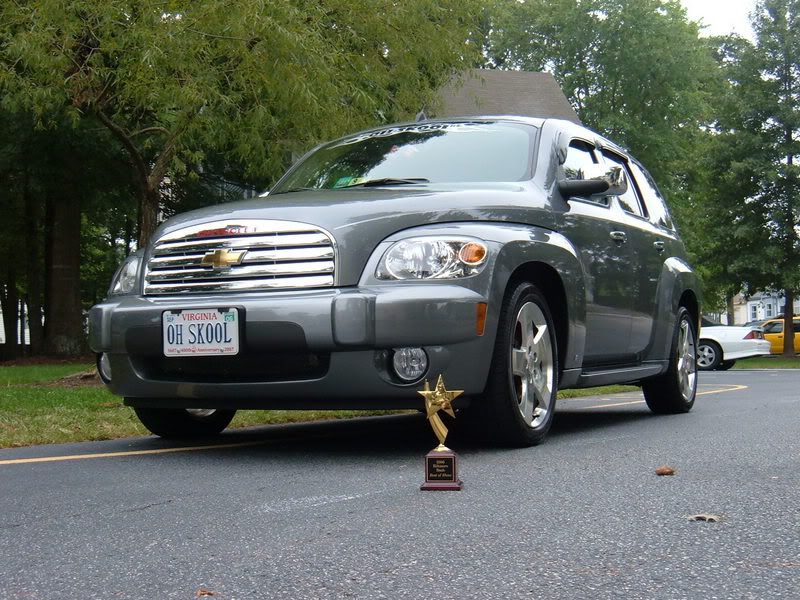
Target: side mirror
[(596, 180)]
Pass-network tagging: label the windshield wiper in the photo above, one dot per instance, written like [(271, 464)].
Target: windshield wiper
[(297, 189), (389, 181)]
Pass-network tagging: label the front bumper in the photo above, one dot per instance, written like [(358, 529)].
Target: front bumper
[(311, 349)]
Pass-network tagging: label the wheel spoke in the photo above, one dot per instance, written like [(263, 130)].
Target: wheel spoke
[(518, 364), (540, 334), (543, 391), (526, 402)]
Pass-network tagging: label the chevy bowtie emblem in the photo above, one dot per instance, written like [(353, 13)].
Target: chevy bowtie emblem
[(220, 259)]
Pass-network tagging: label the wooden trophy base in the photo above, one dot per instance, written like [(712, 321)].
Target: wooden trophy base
[(441, 470)]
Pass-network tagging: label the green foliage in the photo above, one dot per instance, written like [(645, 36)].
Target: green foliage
[(259, 80), (746, 218), (634, 70)]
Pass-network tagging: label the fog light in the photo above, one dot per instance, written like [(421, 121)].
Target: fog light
[(104, 367), (410, 363)]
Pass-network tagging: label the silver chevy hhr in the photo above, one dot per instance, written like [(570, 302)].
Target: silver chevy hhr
[(512, 256)]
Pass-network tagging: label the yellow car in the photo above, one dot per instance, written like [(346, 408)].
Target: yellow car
[(773, 332)]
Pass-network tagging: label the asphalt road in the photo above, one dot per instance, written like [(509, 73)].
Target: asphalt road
[(333, 510)]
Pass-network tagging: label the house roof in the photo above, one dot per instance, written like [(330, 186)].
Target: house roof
[(493, 92)]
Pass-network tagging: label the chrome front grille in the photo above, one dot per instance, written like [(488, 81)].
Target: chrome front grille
[(241, 256)]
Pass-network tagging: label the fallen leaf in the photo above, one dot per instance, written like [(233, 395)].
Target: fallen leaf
[(665, 470), (706, 517), (203, 592)]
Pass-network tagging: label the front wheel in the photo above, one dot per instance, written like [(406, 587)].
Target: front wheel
[(674, 391), (520, 397), (184, 422)]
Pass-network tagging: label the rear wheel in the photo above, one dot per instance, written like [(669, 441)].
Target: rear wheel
[(520, 397), (674, 391), (184, 422), (709, 355), (725, 365)]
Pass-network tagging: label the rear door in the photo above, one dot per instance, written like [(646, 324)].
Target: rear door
[(654, 240)]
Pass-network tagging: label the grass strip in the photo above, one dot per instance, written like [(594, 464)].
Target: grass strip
[(768, 362), (35, 410)]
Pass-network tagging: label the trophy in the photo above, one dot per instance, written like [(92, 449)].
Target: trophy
[(441, 471)]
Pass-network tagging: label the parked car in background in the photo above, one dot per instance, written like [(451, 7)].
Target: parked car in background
[(720, 346), (510, 256), (773, 333)]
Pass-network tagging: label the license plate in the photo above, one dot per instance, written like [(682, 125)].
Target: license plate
[(201, 332)]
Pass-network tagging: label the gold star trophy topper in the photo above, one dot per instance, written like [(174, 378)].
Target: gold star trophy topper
[(438, 399)]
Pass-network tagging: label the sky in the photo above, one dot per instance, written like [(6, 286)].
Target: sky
[(721, 16)]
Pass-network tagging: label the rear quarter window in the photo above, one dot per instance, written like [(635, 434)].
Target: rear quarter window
[(652, 197)]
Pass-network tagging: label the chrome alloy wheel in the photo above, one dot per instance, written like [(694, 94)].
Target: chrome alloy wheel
[(706, 356), (532, 371), (687, 361)]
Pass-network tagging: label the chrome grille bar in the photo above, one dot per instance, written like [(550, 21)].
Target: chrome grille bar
[(250, 255)]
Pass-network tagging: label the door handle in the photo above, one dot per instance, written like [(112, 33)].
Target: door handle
[(619, 237), (659, 246)]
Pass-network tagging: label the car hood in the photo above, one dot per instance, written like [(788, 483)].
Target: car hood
[(360, 218)]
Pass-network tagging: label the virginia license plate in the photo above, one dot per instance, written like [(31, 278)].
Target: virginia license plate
[(201, 332)]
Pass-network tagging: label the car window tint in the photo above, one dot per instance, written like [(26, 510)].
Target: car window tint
[(776, 327), (797, 326), (629, 201), (652, 197)]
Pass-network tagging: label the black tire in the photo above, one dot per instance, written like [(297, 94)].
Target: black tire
[(674, 391), (709, 355), (184, 423), (725, 365), (520, 396)]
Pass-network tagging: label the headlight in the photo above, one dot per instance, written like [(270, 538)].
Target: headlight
[(433, 258), (124, 280)]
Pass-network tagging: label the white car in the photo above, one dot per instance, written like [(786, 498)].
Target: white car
[(722, 345)]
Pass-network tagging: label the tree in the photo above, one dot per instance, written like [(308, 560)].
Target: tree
[(753, 166), (260, 81), (52, 177), (634, 70)]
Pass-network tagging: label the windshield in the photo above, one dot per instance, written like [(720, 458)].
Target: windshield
[(417, 154)]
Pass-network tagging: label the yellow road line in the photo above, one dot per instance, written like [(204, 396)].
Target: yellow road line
[(730, 387), (41, 459)]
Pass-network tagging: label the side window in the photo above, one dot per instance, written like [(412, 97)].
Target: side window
[(629, 200), (775, 327), (653, 200), (581, 155), (797, 326)]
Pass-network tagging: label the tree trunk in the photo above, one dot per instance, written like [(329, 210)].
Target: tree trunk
[(788, 323), (63, 330), (729, 307), (148, 214)]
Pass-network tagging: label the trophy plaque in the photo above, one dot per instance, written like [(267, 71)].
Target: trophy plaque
[(441, 463)]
